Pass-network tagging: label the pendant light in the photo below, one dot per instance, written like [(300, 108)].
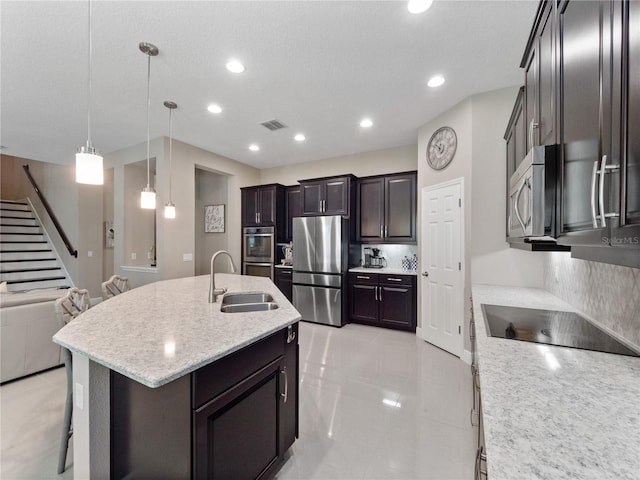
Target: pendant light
[(148, 195), (88, 162), (169, 207)]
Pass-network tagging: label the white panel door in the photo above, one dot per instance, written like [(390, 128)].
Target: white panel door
[(442, 280)]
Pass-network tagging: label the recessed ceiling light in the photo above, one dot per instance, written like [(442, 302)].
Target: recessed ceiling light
[(300, 137), (435, 81), (213, 108), (254, 147), (418, 6), (366, 123), (235, 66)]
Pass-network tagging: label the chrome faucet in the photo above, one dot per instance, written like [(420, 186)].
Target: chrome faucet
[(213, 291)]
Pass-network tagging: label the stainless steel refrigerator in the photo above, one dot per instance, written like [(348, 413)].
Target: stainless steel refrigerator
[(320, 257)]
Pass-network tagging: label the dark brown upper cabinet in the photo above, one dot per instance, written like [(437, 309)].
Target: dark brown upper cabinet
[(294, 209), (516, 136), (539, 64), (262, 205), (386, 209), (327, 196)]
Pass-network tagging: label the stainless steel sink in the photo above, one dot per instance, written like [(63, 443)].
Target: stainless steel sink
[(248, 307), (246, 297)]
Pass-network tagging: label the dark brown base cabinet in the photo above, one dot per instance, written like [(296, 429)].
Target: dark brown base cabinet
[(284, 281), (232, 419), (383, 300)]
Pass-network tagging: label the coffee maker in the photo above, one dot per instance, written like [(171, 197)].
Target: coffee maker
[(373, 258)]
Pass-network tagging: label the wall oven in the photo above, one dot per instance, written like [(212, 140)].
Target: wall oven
[(532, 196), (258, 251)]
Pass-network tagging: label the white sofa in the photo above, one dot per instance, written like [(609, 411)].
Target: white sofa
[(27, 323)]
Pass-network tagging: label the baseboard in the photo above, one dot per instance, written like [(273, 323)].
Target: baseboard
[(419, 332)]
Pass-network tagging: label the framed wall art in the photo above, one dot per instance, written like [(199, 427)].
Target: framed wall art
[(214, 219)]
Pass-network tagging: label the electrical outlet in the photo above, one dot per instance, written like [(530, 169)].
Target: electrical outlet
[(133, 255), (89, 254), (148, 255), (556, 273), (79, 396)]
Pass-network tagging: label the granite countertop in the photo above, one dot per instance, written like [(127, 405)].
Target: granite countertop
[(161, 331), (385, 270), (554, 412)]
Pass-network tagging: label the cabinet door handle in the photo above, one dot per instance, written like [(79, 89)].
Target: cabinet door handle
[(381, 231), (594, 174), (425, 274), (391, 279), (603, 169), (375, 290), (380, 294), (515, 206), (362, 277), (285, 395), (291, 335), (386, 231)]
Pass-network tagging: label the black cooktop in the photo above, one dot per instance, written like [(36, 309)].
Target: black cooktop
[(566, 329)]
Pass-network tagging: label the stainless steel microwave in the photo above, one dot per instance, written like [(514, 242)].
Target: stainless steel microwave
[(532, 196)]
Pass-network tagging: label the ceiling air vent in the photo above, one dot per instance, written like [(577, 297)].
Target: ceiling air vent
[(273, 124)]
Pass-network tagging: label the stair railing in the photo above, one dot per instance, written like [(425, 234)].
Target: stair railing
[(72, 251)]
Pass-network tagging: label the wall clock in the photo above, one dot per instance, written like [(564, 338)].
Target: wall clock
[(442, 148)]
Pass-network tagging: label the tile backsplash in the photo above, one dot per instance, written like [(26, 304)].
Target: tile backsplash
[(608, 293), (392, 253)]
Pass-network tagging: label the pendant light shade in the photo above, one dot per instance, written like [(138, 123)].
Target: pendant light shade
[(89, 167), (169, 207), (88, 163), (169, 210), (148, 195)]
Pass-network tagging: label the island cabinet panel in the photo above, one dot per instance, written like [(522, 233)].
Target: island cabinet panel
[(234, 418), (150, 429), (236, 433)]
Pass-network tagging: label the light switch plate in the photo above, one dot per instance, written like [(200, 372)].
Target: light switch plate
[(187, 257), (133, 255)]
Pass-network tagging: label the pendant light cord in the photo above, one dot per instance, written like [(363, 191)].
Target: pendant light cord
[(89, 144), (148, 108), (170, 151)]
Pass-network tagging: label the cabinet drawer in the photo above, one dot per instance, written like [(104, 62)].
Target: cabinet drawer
[(396, 279), (366, 278), (214, 379)]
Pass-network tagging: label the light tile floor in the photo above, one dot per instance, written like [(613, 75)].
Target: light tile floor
[(374, 404)]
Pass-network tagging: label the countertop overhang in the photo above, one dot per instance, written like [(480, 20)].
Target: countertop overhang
[(554, 412), (164, 330)]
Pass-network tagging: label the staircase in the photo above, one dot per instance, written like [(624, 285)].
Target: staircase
[(27, 258)]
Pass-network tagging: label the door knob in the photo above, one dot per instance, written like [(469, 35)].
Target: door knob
[(425, 274)]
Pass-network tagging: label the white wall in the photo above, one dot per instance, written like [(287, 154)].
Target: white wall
[(176, 237), (480, 122), (460, 119), (492, 261), (78, 209), (390, 160), (211, 189)]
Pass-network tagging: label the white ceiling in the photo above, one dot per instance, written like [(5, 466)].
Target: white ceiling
[(317, 66)]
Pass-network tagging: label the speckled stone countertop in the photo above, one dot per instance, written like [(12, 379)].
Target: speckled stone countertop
[(385, 270), (159, 332), (554, 412)]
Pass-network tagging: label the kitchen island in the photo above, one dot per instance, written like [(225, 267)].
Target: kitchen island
[(166, 385), (552, 412)]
